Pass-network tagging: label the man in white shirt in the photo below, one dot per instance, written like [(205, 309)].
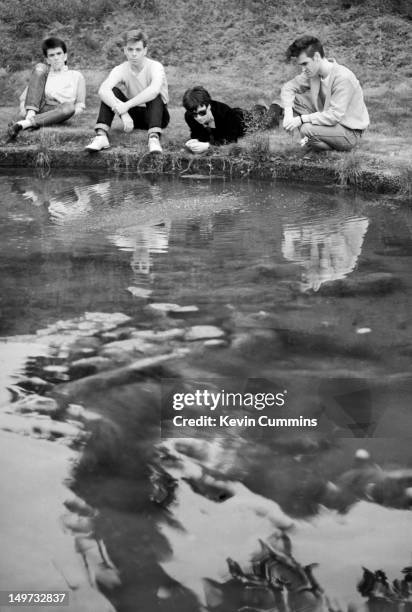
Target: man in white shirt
[(141, 103), (54, 93)]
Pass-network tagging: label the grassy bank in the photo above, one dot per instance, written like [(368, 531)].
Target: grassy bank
[(235, 49)]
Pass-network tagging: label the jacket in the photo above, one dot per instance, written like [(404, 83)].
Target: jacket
[(229, 124), (344, 101)]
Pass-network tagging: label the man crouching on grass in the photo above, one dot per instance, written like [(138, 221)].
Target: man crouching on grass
[(325, 102), (141, 104)]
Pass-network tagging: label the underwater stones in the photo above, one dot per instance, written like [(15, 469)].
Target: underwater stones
[(203, 332), (56, 373), (35, 384), (77, 412), (214, 343), (166, 335), (126, 349), (37, 403), (165, 308), (257, 342), (120, 333), (88, 366), (378, 283)]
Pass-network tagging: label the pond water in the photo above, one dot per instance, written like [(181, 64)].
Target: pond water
[(311, 287)]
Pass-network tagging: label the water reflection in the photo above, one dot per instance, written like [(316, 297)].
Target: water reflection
[(328, 250)]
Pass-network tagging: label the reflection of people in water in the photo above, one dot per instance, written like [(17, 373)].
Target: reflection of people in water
[(327, 249), (59, 197), (142, 242)]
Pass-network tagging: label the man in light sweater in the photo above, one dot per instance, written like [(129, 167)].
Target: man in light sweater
[(54, 93), (141, 103), (325, 102)]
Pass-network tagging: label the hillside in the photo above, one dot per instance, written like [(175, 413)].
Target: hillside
[(243, 41)]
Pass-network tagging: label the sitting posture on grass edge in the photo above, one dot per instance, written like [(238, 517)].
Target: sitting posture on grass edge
[(54, 93), (143, 103), (216, 123), (325, 102)]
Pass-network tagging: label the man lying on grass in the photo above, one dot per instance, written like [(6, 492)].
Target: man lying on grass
[(54, 93), (216, 123), (143, 103), (325, 102)]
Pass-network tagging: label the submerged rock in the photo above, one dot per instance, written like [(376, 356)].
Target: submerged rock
[(378, 283), (89, 366), (166, 307), (203, 332), (35, 384), (37, 403)]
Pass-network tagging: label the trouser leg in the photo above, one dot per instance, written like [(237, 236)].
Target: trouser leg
[(154, 117), (326, 137), (35, 89), (56, 115), (106, 115)]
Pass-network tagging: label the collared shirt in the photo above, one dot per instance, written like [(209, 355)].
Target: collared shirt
[(65, 86)]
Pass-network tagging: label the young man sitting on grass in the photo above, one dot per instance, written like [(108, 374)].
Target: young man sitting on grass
[(216, 123), (325, 102), (143, 103), (54, 93)]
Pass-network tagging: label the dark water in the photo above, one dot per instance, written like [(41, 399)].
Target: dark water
[(244, 253)]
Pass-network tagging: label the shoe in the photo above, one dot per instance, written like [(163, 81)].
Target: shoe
[(274, 115), (154, 144), (98, 143), (13, 130)]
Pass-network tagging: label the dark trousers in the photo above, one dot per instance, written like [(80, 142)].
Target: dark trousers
[(153, 117)]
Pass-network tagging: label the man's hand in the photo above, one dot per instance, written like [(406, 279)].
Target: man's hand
[(120, 108), (196, 146), (127, 121), (78, 110), (292, 123)]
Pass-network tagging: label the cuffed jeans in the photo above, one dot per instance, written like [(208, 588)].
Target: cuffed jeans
[(47, 114), (153, 117), (324, 137)]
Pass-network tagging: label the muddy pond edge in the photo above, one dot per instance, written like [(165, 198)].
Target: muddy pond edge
[(313, 169)]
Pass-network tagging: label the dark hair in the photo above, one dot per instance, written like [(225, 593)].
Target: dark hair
[(196, 96), (135, 36), (305, 44), (53, 43)]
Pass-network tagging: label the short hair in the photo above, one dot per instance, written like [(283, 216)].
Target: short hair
[(53, 43), (135, 36), (196, 96), (305, 44)]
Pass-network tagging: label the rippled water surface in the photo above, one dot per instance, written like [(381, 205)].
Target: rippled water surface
[(263, 262)]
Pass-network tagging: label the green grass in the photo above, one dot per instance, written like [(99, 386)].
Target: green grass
[(235, 48)]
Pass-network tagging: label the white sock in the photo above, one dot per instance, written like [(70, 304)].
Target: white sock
[(25, 123)]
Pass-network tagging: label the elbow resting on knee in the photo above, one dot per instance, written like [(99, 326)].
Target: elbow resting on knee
[(40, 68)]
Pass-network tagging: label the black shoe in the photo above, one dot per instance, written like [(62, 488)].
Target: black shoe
[(274, 115), (13, 130)]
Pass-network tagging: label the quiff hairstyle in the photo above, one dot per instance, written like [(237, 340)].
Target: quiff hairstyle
[(305, 44)]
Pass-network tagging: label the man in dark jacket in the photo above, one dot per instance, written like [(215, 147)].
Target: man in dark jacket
[(216, 123)]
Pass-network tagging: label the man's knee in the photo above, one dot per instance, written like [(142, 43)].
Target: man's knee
[(118, 92), (40, 69), (67, 108), (308, 130)]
